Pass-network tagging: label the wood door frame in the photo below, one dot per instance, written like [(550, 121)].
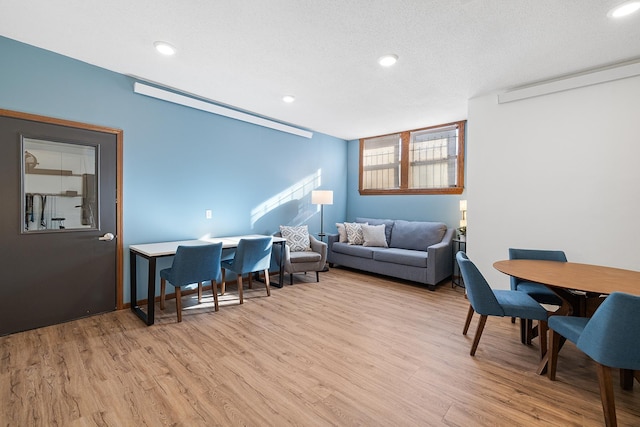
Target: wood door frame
[(118, 133)]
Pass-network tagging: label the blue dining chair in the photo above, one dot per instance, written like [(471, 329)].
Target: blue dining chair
[(611, 338), (252, 255), (192, 264), (489, 302), (539, 292)]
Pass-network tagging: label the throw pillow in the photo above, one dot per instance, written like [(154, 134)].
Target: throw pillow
[(342, 232), (297, 237), (354, 233), (374, 235)]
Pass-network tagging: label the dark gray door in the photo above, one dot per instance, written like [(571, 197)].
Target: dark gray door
[(58, 202)]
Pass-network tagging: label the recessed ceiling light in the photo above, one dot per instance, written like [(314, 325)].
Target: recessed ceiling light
[(288, 98), (624, 9), (165, 48), (388, 60)]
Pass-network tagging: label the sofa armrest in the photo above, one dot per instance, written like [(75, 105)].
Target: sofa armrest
[(331, 239), (440, 259)]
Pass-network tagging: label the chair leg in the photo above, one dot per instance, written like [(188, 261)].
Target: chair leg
[(606, 395), (179, 303), (476, 339), (526, 331), (513, 320), (239, 279), (266, 282), (554, 347), (199, 292), (317, 276), (291, 278), (626, 379), (214, 289), (468, 321), (163, 286), (223, 285), (250, 280), (542, 333)]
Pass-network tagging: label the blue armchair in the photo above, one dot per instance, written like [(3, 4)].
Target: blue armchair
[(537, 291), (488, 302), (192, 264), (611, 338), (252, 255)]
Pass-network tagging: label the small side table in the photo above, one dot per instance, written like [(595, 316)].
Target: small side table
[(459, 244)]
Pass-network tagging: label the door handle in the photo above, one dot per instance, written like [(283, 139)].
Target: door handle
[(107, 237)]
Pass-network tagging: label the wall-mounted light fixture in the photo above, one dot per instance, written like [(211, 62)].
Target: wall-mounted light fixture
[(210, 107)]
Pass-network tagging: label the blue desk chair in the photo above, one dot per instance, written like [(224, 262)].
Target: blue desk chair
[(252, 255), (539, 292), (192, 264), (611, 338), (489, 302)]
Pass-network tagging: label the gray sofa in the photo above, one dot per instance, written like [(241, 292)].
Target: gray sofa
[(418, 251)]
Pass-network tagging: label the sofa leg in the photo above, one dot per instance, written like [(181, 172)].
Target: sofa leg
[(331, 265), (432, 287)]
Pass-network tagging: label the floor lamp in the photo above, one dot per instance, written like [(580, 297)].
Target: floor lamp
[(322, 197)]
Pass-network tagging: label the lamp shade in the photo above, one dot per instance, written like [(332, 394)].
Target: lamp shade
[(322, 197)]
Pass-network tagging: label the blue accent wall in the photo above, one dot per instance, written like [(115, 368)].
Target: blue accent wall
[(443, 208), (179, 161)]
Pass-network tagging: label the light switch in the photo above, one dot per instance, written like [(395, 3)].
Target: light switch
[(208, 213)]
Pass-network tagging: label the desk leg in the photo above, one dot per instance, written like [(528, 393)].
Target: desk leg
[(281, 275), (133, 283), (151, 292), (256, 274), (280, 266)]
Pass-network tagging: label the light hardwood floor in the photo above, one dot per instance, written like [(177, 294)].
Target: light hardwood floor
[(354, 349)]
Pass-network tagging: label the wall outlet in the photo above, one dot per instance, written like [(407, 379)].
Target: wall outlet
[(208, 214)]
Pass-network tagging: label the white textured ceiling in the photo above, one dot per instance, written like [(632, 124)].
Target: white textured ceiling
[(249, 53)]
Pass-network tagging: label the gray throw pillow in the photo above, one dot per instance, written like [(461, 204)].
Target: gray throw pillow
[(374, 236)]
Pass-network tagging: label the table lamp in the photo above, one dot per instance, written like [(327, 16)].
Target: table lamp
[(463, 221)]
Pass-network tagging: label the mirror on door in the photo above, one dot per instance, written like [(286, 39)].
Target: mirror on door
[(59, 186)]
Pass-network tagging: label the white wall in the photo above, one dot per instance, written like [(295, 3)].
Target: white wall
[(556, 172)]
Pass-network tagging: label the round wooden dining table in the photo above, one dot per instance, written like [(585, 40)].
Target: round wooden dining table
[(572, 275)]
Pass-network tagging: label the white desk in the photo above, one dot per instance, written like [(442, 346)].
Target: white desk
[(152, 251)]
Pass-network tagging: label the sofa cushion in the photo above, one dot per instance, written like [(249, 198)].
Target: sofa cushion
[(402, 257), (388, 225), (417, 235), (374, 235), (342, 232), (354, 250), (295, 257)]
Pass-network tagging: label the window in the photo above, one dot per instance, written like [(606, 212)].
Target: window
[(421, 161)]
